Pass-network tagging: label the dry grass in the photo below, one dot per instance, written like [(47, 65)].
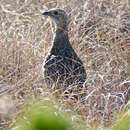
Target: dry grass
[(99, 33)]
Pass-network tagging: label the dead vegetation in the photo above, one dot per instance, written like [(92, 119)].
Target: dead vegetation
[(99, 33)]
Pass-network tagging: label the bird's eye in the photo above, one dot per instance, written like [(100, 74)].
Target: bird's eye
[(55, 12)]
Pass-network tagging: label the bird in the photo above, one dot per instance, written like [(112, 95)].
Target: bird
[(62, 65)]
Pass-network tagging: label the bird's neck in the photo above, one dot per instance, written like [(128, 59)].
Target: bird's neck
[(61, 27), (61, 40)]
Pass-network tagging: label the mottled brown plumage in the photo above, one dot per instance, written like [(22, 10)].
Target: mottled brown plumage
[(62, 65)]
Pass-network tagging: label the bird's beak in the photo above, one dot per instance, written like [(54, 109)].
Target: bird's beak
[(46, 13)]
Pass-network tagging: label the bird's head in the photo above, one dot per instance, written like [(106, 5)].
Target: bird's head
[(60, 18)]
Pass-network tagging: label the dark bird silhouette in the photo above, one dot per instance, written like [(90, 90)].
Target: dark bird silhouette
[(62, 65)]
